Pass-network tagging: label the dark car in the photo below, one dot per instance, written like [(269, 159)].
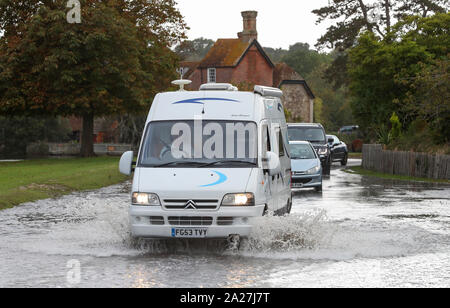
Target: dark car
[(339, 151), (348, 130), (315, 134)]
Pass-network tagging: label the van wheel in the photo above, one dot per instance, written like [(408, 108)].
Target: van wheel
[(289, 206), (266, 211)]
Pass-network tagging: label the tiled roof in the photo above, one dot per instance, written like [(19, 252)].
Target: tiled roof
[(282, 72), (225, 53), (189, 67)]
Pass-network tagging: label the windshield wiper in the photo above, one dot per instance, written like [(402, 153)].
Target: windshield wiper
[(228, 161), (178, 163)]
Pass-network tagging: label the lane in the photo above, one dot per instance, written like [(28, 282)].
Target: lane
[(359, 232)]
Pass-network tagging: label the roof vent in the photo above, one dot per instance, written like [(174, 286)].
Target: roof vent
[(268, 91), (218, 87), (181, 83)]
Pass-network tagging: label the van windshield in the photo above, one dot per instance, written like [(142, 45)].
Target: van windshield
[(311, 134), (199, 143)]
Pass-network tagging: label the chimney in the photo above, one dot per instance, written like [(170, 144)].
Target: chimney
[(249, 34)]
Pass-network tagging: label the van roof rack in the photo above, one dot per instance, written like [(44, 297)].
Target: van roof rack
[(218, 87), (268, 91)]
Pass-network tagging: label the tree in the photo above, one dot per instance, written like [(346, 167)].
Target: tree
[(377, 67), (354, 17), (16, 133), (304, 60), (113, 62), (429, 97), (194, 50)]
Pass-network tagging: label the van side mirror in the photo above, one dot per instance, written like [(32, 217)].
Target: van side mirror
[(274, 163), (126, 163), (331, 140)]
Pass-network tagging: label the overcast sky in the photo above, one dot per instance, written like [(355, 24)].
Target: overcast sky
[(281, 23)]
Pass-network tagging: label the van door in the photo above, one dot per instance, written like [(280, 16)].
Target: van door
[(270, 188), (283, 178)]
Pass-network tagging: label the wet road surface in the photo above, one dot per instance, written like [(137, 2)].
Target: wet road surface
[(360, 232)]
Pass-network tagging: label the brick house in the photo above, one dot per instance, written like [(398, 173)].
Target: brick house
[(243, 62)]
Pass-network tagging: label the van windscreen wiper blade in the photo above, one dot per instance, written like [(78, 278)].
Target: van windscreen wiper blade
[(178, 163), (229, 162)]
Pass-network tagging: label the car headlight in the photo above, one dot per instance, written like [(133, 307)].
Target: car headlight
[(244, 199), (322, 151), (145, 199), (313, 170)]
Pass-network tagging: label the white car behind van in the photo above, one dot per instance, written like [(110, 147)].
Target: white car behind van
[(209, 161)]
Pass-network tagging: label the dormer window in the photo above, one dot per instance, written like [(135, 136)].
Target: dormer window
[(211, 75)]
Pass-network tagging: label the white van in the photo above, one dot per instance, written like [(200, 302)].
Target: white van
[(208, 161)]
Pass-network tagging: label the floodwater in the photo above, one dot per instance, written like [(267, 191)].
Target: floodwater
[(360, 232)]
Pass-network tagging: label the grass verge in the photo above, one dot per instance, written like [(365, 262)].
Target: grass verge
[(355, 155), (48, 178), (362, 171)]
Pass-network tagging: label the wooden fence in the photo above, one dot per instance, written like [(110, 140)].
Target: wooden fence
[(411, 164)]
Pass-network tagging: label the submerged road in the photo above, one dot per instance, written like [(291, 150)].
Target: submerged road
[(360, 232)]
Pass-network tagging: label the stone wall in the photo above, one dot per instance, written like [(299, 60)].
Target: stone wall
[(299, 104)]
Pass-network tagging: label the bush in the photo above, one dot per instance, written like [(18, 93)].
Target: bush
[(420, 137), (16, 133)]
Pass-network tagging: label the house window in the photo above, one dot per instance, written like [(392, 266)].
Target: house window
[(211, 75)]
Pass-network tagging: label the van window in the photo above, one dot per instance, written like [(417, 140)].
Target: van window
[(266, 139), (181, 143), (281, 144)]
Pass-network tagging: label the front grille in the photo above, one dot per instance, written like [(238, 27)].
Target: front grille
[(156, 220), (225, 221), (301, 181), (180, 204), (190, 221)]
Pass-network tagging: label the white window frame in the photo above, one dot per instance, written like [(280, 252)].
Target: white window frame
[(210, 72)]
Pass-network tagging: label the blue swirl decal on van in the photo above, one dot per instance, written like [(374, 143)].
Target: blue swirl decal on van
[(222, 178), (201, 101)]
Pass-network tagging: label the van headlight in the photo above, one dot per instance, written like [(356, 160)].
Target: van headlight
[(313, 170), (244, 199), (145, 199)]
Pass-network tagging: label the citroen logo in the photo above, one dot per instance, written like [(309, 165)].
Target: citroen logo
[(190, 205)]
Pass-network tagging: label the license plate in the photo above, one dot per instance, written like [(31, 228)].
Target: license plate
[(297, 185), (189, 232)]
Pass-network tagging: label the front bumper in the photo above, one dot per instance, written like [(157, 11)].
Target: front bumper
[(307, 181), (219, 224)]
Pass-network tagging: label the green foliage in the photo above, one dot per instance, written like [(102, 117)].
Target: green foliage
[(304, 60), (420, 137), (113, 62), (395, 73), (428, 98), (396, 128), (350, 18), (276, 54), (334, 105), (194, 50), (18, 132), (382, 132)]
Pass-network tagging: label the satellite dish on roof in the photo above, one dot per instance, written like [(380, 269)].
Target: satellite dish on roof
[(181, 83)]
